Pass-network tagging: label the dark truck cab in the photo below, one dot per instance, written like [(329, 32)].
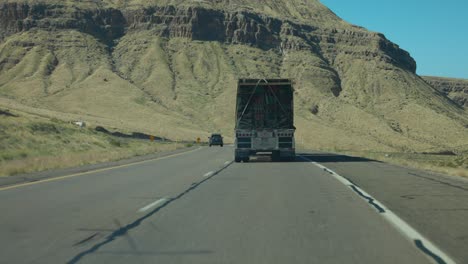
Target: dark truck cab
[(265, 119)]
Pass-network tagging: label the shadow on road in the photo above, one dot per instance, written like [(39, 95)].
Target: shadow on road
[(122, 231), (324, 157), (318, 157)]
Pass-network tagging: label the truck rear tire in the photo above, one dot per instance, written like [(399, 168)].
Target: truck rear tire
[(275, 156), (237, 159)]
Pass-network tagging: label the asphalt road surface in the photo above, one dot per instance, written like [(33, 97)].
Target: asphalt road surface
[(200, 207)]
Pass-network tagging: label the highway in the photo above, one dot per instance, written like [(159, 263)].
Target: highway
[(200, 207)]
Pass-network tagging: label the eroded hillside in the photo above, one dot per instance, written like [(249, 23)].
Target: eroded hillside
[(455, 89), (171, 67)]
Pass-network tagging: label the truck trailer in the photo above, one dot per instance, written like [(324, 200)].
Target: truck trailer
[(264, 119)]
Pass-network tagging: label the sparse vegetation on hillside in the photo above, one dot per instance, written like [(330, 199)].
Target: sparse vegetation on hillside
[(455, 89), (161, 69), (30, 143)]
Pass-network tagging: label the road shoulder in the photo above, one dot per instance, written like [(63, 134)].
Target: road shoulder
[(7, 181), (433, 204)]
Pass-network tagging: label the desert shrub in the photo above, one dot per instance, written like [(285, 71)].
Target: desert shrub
[(314, 109), (115, 142), (7, 156), (118, 142), (43, 128)]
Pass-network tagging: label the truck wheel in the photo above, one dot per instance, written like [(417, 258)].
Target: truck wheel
[(275, 156), (221, 145), (237, 159), (246, 159)]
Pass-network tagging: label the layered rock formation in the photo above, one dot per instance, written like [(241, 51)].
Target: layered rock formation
[(455, 89), (174, 64), (199, 23)]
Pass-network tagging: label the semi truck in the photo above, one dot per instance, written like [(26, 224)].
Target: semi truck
[(264, 119)]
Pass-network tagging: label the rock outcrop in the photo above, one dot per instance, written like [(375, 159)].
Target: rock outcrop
[(199, 23), (105, 24), (455, 89), (171, 66)]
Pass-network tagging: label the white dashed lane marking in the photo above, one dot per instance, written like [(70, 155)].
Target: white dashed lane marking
[(208, 174), (157, 203)]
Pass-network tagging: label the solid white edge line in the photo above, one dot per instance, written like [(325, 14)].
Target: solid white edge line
[(154, 204), (403, 227)]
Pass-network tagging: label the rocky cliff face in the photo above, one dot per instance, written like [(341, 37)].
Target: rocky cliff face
[(105, 24), (198, 23), (174, 64), (455, 89)]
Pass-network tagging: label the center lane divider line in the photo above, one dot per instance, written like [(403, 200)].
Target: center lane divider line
[(427, 247), (155, 207), (164, 201), (159, 203), (94, 171), (208, 174)]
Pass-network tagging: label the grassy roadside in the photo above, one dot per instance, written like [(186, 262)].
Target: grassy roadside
[(30, 143), (455, 165)]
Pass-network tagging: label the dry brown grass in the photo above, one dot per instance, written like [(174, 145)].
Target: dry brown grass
[(182, 89), (41, 163), (190, 92), (462, 172), (30, 143), (445, 164)]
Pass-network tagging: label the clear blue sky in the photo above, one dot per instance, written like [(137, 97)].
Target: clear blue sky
[(434, 32)]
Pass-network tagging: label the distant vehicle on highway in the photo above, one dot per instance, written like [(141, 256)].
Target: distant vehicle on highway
[(216, 139), (265, 119)]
